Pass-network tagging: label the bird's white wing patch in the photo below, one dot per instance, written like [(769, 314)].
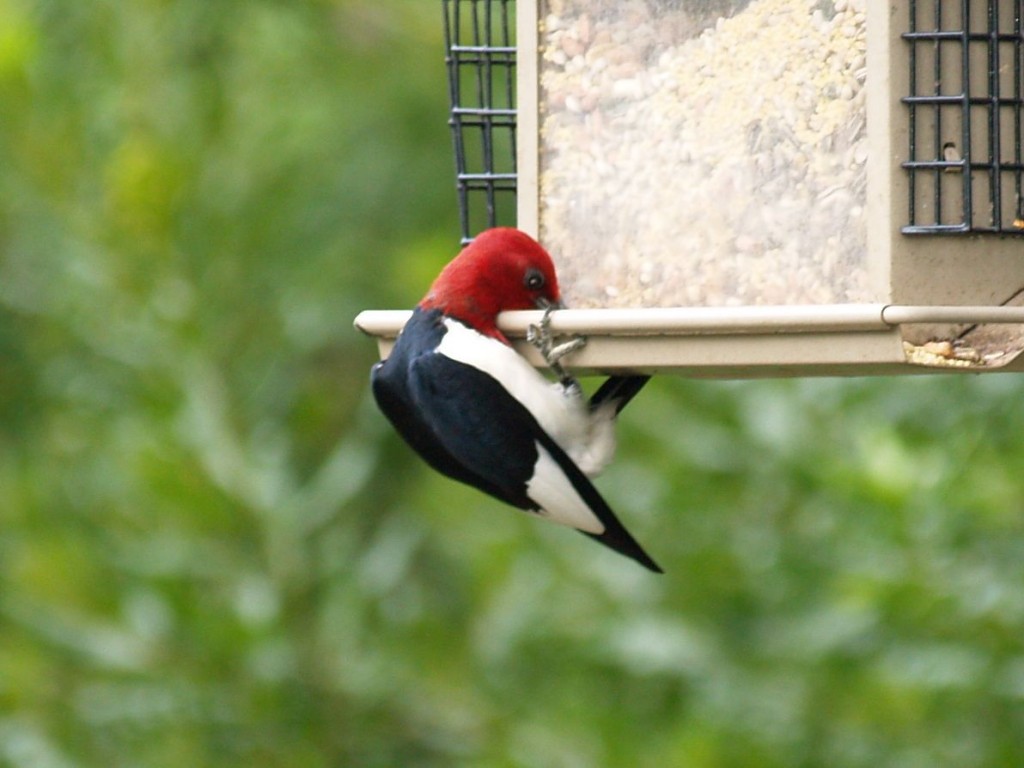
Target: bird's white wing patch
[(563, 417), (559, 501), (588, 438)]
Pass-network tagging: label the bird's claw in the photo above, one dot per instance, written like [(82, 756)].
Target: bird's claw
[(541, 337), (557, 352)]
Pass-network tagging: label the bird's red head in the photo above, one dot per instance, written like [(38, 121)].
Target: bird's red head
[(501, 269)]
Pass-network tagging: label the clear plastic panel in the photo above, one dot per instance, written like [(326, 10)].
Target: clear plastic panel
[(704, 152)]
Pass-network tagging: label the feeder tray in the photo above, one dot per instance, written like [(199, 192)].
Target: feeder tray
[(739, 188)]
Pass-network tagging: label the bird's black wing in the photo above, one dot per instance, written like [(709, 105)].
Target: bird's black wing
[(474, 422), (494, 439)]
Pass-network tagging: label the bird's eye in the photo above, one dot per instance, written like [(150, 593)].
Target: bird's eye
[(533, 280)]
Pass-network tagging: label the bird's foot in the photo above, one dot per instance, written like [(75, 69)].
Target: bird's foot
[(571, 387), (557, 352), (541, 337)]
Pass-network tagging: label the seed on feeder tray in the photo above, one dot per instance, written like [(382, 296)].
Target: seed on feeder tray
[(940, 348), (922, 355), (970, 354)]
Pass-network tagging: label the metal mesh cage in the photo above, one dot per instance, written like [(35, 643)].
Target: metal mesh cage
[(481, 59), (966, 104)]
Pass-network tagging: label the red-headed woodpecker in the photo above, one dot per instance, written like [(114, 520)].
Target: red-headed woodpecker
[(477, 411)]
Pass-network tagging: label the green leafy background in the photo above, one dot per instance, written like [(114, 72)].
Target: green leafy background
[(213, 551)]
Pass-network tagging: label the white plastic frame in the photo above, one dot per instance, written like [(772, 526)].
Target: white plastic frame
[(750, 342)]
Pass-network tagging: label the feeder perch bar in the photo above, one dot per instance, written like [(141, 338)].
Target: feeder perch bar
[(758, 342)]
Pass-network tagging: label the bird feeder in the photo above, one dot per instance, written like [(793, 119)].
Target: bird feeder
[(739, 188)]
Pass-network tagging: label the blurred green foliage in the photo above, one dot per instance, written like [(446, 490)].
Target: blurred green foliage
[(213, 552)]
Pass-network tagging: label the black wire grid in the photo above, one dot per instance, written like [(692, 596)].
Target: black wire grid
[(966, 108), (481, 59)]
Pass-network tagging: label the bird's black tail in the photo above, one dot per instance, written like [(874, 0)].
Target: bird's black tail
[(621, 389), (615, 536), (623, 543)]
